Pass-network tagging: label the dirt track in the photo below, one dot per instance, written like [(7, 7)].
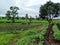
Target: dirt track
[(49, 39)]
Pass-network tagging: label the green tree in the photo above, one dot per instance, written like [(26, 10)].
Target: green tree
[(8, 15), (12, 13), (26, 17), (17, 17), (48, 10), (57, 8)]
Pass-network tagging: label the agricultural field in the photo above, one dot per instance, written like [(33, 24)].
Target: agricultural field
[(26, 22), (38, 32), (13, 33)]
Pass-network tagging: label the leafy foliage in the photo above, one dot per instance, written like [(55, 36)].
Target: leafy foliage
[(56, 33), (48, 9), (11, 14)]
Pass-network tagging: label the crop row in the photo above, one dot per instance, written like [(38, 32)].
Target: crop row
[(7, 36), (32, 38), (10, 27), (21, 21), (56, 33)]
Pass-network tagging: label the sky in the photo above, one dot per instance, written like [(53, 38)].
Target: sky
[(31, 7)]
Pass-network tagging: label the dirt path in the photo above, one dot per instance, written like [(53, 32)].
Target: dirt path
[(49, 40)]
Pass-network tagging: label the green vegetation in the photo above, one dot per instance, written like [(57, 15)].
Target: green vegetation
[(17, 26), (56, 33), (49, 10), (5, 38), (12, 13), (24, 33), (56, 21), (29, 37), (22, 21), (7, 33), (28, 30)]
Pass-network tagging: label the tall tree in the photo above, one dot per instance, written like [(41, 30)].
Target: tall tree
[(12, 13), (48, 10)]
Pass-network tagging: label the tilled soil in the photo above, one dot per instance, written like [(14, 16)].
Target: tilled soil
[(49, 39)]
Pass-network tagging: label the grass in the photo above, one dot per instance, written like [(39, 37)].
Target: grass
[(5, 38)]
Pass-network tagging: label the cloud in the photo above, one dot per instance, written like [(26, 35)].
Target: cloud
[(26, 6)]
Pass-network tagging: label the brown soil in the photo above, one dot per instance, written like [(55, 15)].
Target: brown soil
[(49, 39)]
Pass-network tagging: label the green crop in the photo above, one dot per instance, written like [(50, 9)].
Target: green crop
[(5, 38), (56, 33)]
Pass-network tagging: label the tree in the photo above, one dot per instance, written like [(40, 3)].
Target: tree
[(48, 10), (43, 12), (17, 17), (26, 17), (8, 15), (57, 8), (37, 17), (30, 19), (12, 13)]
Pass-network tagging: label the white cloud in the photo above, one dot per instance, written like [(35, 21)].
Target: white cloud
[(30, 6), (26, 6)]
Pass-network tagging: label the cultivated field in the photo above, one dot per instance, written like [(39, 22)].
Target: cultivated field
[(38, 32)]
